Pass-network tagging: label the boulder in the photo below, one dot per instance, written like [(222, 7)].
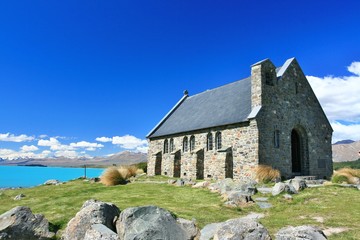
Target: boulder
[(300, 232), (201, 184), (283, 187), (239, 197), (241, 228), (151, 222), (180, 183), (190, 227), (171, 181), (298, 183), (19, 197), (20, 223), (209, 231), (92, 212), (52, 182), (100, 231)]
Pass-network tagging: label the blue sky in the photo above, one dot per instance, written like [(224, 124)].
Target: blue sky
[(94, 77)]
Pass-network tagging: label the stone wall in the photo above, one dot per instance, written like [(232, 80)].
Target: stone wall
[(288, 104), (239, 144)]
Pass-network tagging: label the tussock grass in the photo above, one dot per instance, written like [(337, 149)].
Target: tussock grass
[(114, 176), (347, 175), (265, 174)]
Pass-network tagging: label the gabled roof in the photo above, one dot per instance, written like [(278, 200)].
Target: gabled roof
[(228, 104), (224, 105)]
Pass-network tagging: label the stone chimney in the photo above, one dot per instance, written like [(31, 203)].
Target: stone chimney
[(263, 75)]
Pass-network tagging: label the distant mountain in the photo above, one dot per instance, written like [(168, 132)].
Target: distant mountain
[(347, 141), (121, 158), (344, 152)]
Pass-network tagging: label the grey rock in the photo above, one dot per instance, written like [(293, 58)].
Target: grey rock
[(180, 183), (19, 197), (239, 197), (290, 189), (241, 228), (298, 184), (94, 180), (92, 212), (279, 188), (261, 199), (201, 184), (264, 205), (358, 186), (190, 227), (21, 224), (150, 222), (264, 190), (100, 231), (171, 181), (300, 232), (209, 230), (288, 197), (52, 182)]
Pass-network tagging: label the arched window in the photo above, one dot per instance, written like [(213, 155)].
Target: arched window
[(192, 143), (218, 140), (210, 141), (166, 146), (172, 147), (185, 144)]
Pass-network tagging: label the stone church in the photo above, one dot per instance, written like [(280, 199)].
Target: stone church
[(272, 118)]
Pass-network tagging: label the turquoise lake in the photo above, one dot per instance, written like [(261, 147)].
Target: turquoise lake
[(19, 176)]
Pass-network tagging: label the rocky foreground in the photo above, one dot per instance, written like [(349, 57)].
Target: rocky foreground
[(101, 220)]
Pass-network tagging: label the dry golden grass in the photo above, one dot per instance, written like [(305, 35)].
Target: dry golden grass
[(347, 175), (114, 176), (139, 171), (266, 174)]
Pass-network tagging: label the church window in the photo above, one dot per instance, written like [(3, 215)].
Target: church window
[(192, 143), (209, 142), (166, 146), (276, 138), (185, 144), (218, 141), (269, 79), (172, 147)]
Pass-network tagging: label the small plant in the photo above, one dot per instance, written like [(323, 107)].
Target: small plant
[(265, 174), (112, 176), (347, 175)]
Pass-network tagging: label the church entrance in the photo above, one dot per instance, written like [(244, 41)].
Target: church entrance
[(299, 152), (200, 164), (177, 164), (229, 165), (158, 164)]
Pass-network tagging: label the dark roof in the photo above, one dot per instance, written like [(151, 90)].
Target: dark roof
[(224, 105)]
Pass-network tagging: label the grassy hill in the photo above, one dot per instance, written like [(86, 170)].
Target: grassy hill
[(338, 206), (352, 164)]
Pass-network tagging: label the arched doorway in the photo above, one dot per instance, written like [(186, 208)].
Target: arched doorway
[(158, 163), (295, 152), (299, 152)]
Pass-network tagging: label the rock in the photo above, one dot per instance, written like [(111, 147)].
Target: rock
[(300, 232), (249, 188), (298, 183), (201, 184), (288, 197), (209, 230), (21, 224), (52, 182), (241, 228), (171, 181), (190, 227), (358, 186), (94, 180), (100, 231), (283, 187), (264, 190), (150, 222), (189, 182), (261, 199), (19, 197), (264, 205), (92, 212), (180, 183), (239, 197)]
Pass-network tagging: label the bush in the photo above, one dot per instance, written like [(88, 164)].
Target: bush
[(112, 176), (347, 175), (267, 174)]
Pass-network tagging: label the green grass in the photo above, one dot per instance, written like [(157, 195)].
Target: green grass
[(352, 164), (340, 207)]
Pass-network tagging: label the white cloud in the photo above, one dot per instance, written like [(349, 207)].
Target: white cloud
[(12, 154), (340, 99), (43, 136), (27, 148), (84, 144), (66, 153), (129, 142), (142, 149), (103, 139), (54, 145), (7, 137)]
